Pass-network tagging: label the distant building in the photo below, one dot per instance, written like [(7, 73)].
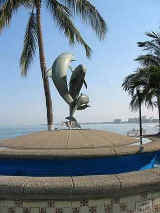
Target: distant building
[(132, 120), (154, 120), (117, 121), (144, 120)]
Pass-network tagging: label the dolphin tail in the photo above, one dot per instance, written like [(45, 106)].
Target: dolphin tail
[(85, 83)]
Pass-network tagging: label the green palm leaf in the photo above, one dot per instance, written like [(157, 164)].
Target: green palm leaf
[(30, 44), (89, 15), (8, 8), (149, 59), (61, 16)]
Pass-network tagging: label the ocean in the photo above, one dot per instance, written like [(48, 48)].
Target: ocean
[(13, 131)]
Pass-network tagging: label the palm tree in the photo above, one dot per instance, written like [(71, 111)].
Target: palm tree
[(153, 47), (152, 59), (62, 14), (149, 79)]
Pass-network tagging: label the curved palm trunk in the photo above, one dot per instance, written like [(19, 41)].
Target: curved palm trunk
[(43, 68), (158, 104)]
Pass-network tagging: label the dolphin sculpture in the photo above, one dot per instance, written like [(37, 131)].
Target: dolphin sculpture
[(77, 80), (59, 76), (75, 85)]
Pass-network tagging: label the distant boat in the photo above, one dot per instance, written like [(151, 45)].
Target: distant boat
[(135, 132)]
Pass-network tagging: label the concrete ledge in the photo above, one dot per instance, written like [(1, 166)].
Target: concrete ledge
[(71, 144), (139, 182), (79, 188), (97, 186)]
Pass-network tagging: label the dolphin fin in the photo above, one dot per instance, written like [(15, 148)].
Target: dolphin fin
[(85, 84), (49, 73)]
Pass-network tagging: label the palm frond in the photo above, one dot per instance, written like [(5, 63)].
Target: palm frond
[(149, 98), (134, 104), (149, 79), (62, 16), (8, 8), (133, 81), (153, 35), (149, 59), (150, 46), (89, 14), (30, 44)]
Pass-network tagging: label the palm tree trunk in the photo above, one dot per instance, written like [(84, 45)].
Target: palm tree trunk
[(158, 104), (43, 68)]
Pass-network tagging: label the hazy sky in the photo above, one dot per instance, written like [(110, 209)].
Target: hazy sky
[(22, 99)]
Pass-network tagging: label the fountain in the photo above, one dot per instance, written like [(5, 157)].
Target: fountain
[(77, 170)]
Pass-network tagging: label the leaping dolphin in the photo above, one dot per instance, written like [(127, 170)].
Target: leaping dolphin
[(77, 80), (59, 75), (75, 85)]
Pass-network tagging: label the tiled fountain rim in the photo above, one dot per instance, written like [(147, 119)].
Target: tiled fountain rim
[(79, 188)]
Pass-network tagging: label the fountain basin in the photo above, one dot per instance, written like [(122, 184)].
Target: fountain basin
[(131, 191), (79, 166)]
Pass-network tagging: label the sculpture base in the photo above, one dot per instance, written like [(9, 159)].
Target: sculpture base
[(71, 124)]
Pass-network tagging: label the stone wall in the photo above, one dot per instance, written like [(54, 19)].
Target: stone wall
[(142, 203)]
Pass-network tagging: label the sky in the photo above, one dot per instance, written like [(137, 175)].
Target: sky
[(22, 99)]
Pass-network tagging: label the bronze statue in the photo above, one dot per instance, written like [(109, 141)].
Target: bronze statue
[(71, 95)]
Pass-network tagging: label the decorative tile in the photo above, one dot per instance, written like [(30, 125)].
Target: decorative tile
[(3, 210), (76, 204), (145, 196), (42, 210), (96, 203), (19, 210), (59, 204), (123, 207), (108, 202), (11, 210), (67, 210), (34, 210), (18, 203), (116, 208), (50, 210), (132, 211), (59, 210), (108, 208), (26, 210), (84, 209), (133, 204), (34, 204), (51, 203), (129, 202), (156, 205), (93, 209), (84, 203), (75, 210), (7, 203), (144, 206), (155, 195)]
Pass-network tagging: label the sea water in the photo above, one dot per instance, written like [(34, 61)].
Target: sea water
[(18, 130)]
